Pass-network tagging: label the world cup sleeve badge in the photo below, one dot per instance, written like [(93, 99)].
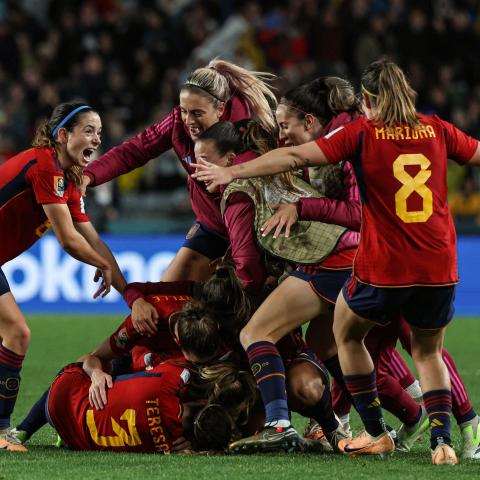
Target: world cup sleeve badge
[(59, 186)]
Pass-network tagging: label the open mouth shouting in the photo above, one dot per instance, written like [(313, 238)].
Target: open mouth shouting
[(87, 153)]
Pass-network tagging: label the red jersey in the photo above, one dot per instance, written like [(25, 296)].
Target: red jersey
[(126, 337), (407, 234), (157, 139), (28, 181), (143, 411)]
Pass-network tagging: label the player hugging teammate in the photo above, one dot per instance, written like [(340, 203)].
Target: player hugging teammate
[(348, 263)]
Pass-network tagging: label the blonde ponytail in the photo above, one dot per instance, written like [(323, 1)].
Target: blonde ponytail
[(390, 93), (221, 80)]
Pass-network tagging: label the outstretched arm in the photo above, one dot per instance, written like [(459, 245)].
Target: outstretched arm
[(87, 230), (76, 245), (276, 161), (475, 160)]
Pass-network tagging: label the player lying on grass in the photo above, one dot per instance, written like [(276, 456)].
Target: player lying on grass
[(38, 190), (172, 407), (208, 329)]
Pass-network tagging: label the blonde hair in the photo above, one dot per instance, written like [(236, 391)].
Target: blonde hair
[(390, 93), (221, 80)]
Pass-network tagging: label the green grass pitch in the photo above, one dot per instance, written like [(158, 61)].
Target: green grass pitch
[(57, 340)]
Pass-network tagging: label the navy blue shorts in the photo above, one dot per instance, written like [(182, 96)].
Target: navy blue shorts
[(4, 286), (422, 307), (325, 283), (206, 242)]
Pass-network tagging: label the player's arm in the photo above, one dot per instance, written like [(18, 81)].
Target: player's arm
[(273, 162), (87, 230), (93, 365), (75, 244), (144, 314), (475, 160)]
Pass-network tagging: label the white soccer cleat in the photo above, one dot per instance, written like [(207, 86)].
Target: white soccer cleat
[(407, 436), (471, 439)]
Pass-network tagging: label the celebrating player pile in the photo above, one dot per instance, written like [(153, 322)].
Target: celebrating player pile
[(366, 220)]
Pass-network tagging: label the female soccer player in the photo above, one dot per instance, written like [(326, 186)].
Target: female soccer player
[(39, 190), (219, 91), (169, 408), (400, 161), (323, 97)]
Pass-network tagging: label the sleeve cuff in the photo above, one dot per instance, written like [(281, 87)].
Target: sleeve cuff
[(131, 293)]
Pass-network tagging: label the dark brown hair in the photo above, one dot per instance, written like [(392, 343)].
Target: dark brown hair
[(43, 135), (323, 97)]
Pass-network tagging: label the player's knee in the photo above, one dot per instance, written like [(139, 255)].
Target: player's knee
[(247, 336), (305, 393), (18, 338), (423, 353)]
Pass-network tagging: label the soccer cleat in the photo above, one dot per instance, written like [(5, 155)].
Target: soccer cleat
[(314, 434), (365, 444), (270, 439), (10, 443), (444, 455), (471, 439), (407, 436), (21, 435), (339, 438), (59, 442)]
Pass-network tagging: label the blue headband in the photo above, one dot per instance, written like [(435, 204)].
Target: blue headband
[(68, 117)]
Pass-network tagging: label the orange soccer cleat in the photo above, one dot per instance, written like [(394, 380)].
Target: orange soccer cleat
[(11, 444), (365, 444), (444, 455)]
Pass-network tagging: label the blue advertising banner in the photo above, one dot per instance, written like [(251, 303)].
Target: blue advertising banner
[(47, 280)]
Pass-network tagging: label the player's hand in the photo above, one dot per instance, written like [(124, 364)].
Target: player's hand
[(144, 317), (181, 444), (285, 216), (83, 187), (213, 175), (97, 394), (105, 274)]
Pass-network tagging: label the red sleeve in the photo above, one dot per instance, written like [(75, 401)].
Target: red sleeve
[(124, 338), (460, 146), (248, 257), (346, 211), (76, 205), (342, 143), (136, 290), (133, 153), (48, 184)]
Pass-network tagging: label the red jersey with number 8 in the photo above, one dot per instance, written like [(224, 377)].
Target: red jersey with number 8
[(407, 235)]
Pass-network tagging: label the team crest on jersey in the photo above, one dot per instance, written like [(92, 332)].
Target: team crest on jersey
[(122, 338), (185, 375), (59, 186)]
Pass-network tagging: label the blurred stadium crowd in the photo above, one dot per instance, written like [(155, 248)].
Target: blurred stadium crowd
[(128, 58)]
